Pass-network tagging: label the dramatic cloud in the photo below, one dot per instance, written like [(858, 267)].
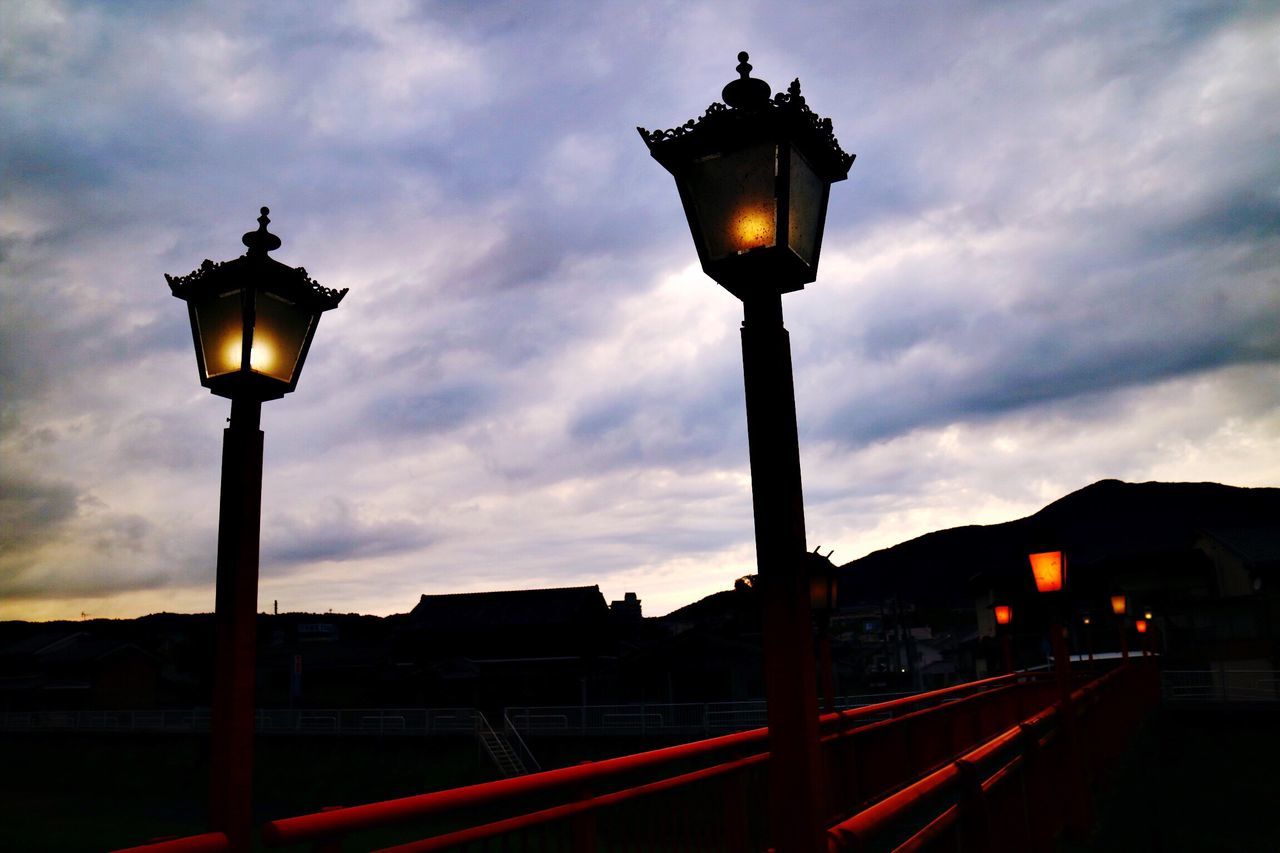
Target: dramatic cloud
[(1056, 259)]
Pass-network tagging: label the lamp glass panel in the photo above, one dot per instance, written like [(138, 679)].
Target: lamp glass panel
[(819, 591), (805, 208), (1141, 625), (1118, 605), (1004, 614), (279, 333), (220, 327), (1048, 568), (735, 200)]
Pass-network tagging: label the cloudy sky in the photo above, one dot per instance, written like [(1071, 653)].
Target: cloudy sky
[(1055, 260)]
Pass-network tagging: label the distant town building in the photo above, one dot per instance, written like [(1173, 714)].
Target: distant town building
[(628, 609)]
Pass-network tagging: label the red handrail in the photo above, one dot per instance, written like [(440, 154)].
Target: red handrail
[(727, 749), (528, 821), (210, 842), (340, 822), (986, 767)]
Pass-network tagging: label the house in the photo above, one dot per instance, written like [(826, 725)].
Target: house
[(527, 646)]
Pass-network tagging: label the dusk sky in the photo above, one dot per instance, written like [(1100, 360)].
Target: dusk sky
[(1056, 259)]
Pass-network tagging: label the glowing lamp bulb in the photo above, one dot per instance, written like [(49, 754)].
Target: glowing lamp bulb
[(1141, 625), (1146, 615), (752, 229), (1048, 568), (1087, 621), (1118, 605), (261, 355), (1004, 614)]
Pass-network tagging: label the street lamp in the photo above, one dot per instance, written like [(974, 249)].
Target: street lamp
[(1049, 570), (1140, 625), (823, 591), (252, 321), (1119, 605), (1004, 618), (754, 175), (1088, 634)]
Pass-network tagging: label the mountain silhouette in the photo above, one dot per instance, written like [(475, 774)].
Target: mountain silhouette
[(1105, 528)]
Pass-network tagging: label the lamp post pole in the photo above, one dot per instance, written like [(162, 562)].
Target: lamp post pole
[(754, 174), (778, 504), (252, 322), (235, 625)]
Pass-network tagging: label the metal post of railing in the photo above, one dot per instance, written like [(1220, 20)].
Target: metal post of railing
[(582, 829)]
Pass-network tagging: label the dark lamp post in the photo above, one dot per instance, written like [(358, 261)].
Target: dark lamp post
[(252, 320), (824, 586), (823, 592), (753, 175), (1049, 568)]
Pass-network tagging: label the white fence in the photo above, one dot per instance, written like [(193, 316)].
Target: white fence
[(346, 721), (1219, 685), (683, 718), (689, 718)]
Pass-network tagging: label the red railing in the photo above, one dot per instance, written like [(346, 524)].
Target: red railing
[(702, 794), (709, 795), (1012, 793)]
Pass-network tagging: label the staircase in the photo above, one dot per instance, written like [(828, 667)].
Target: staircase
[(505, 749)]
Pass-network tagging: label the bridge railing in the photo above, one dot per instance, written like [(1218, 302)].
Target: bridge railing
[(702, 795), (1013, 792), (932, 766)]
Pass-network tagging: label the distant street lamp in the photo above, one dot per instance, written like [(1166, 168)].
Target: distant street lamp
[(1049, 569), (252, 320), (1088, 635), (1119, 605), (754, 175), (1004, 618), (1140, 625), (823, 594)]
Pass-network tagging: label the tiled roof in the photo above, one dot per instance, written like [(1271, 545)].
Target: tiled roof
[(512, 608)]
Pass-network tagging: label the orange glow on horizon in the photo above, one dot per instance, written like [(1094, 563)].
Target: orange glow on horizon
[(1004, 614), (1118, 605), (1049, 570)]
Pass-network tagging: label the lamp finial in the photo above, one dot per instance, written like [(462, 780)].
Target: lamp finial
[(261, 241), (746, 92)]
